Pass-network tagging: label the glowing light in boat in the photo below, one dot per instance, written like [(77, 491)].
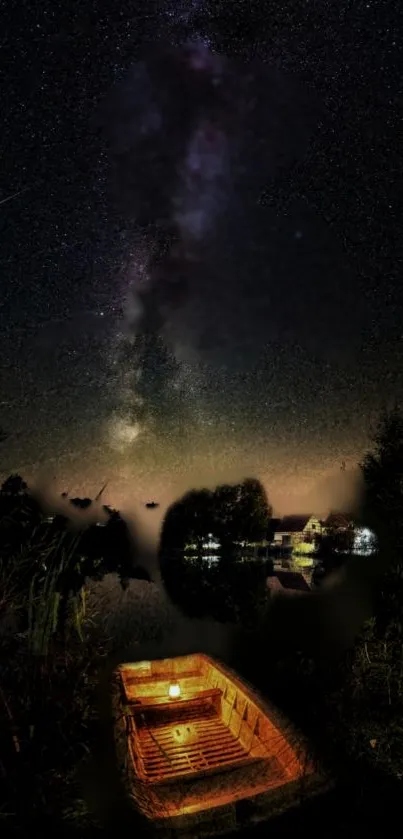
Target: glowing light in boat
[(174, 690)]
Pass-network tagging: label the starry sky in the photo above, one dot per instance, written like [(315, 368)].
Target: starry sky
[(200, 247)]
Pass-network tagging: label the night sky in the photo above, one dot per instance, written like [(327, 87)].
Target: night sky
[(200, 248)]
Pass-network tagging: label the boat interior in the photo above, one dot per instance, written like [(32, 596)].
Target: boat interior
[(190, 719)]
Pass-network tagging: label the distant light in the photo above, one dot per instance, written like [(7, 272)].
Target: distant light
[(364, 542), (174, 690), (211, 543), (211, 559)]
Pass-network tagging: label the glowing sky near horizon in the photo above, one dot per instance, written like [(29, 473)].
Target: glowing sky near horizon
[(209, 293)]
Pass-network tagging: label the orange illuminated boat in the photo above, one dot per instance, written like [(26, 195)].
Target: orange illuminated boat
[(205, 754)]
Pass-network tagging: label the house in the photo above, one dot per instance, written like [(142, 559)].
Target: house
[(287, 582), (297, 531), (273, 526)]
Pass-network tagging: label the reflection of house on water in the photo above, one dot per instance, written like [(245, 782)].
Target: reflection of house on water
[(211, 559), (288, 582), (293, 541)]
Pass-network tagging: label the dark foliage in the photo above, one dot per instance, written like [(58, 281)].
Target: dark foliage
[(50, 659), (334, 547), (383, 513), (383, 474), (46, 555), (13, 485), (231, 513)]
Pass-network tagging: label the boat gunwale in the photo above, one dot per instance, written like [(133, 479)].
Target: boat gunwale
[(275, 800)]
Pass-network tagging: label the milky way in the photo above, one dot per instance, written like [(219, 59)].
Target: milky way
[(185, 126), (244, 272), (175, 129)]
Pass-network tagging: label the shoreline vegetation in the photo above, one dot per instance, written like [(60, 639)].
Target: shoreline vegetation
[(69, 612)]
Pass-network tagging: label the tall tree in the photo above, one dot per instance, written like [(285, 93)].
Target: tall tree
[(383, 475), (226, 527), (199, 516), (242, 513), (188, 520), (232, 513), (254, 511), (383, 507)]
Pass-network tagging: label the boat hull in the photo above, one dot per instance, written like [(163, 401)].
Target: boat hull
[(212, 760)]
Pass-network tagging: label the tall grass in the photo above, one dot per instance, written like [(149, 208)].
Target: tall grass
[(49, 673), (57, 578)]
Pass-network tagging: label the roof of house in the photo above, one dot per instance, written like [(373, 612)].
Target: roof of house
[(292, 580), (273, 584), (292, 524)]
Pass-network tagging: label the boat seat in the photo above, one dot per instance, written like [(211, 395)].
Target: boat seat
[(159, 703)]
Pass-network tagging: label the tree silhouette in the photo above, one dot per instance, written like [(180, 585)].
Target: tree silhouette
[(232, 513), (383, 474), (189, 520), (241, 514), (254, 511), (14, 484), (382, 510)]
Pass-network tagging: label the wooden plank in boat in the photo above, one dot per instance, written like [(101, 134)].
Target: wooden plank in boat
[(204, 771), (130, 678), (178, 753), (161, 702), (205, 744), (188, 751)]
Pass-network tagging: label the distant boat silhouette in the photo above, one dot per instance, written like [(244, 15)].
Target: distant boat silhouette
[(152, 504)]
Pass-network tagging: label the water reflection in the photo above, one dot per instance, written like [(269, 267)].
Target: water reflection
[(212, 559)]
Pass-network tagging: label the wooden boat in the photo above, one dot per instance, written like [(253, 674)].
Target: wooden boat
[(205, 754)]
